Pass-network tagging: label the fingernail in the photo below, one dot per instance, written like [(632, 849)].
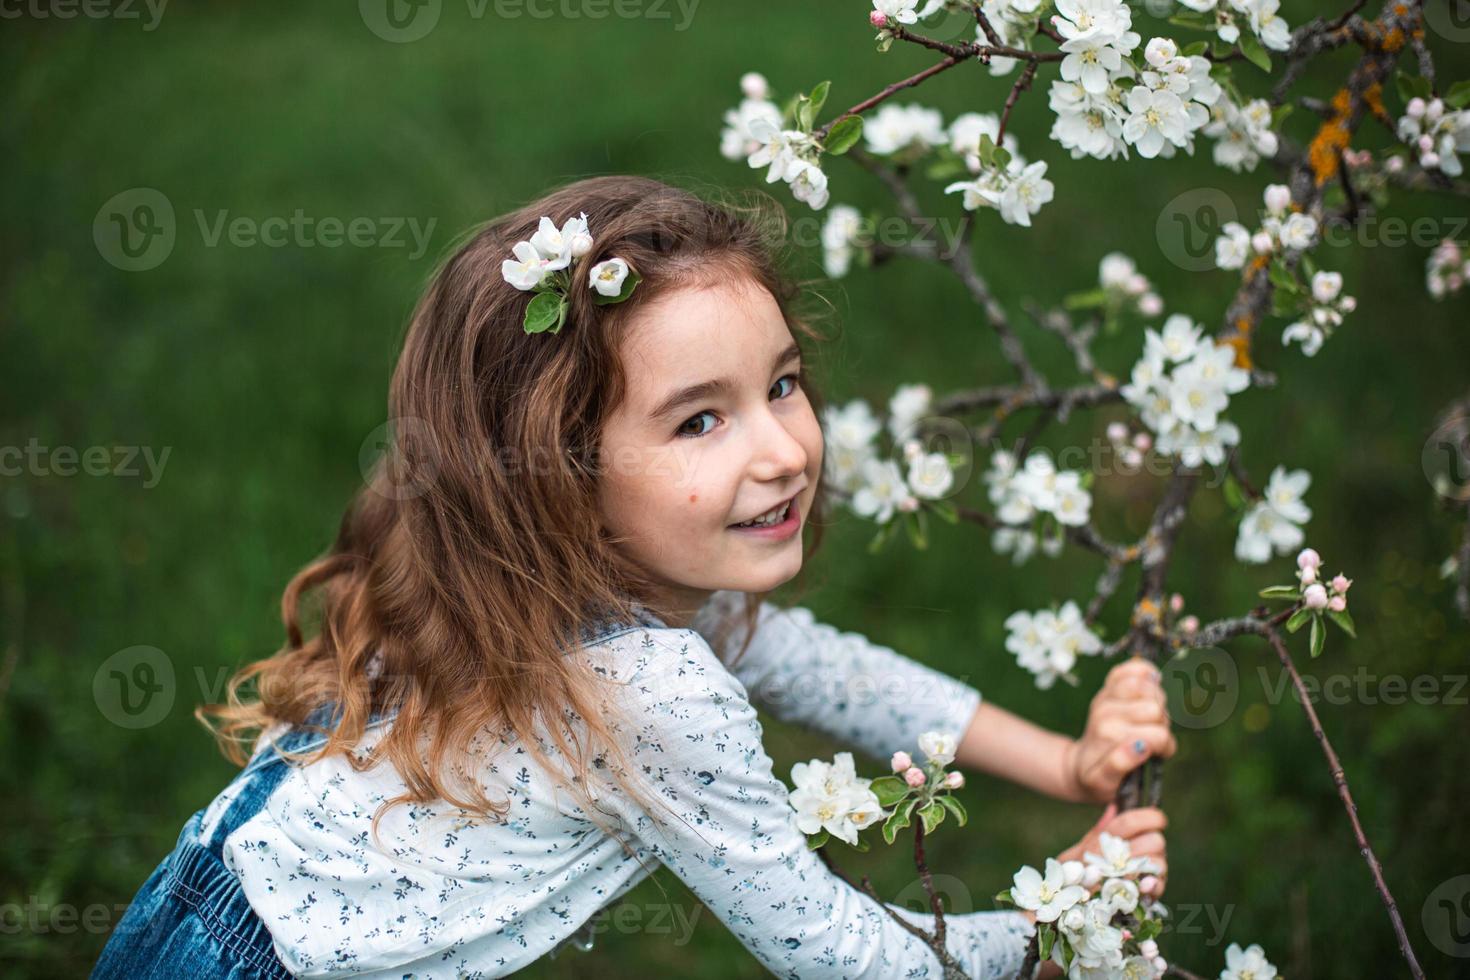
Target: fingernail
[(1138, 746)]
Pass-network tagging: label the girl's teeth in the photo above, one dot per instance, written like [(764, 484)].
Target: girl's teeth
[(768, 520)]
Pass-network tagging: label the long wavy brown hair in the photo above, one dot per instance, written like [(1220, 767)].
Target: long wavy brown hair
[(475, 551)]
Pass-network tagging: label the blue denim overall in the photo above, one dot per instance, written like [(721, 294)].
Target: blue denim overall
[(191, 918)]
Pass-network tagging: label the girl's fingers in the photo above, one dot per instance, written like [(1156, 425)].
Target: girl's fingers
[(1134, 745), (1134, 667), (1131, 823), (1134, 689), (1150, 844), (1140, 711)]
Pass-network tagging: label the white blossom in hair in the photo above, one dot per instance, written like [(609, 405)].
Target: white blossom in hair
[(543, 265)]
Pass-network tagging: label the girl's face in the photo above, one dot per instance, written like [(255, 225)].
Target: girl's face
[(715, 430)]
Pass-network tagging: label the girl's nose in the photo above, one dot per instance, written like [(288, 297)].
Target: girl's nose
[(778, 453)]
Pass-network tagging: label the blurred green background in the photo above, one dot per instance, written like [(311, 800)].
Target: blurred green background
[(263, 371)]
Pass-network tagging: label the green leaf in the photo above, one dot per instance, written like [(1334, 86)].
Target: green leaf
[(1002, 158), (1298, 619), (1045, 936), (1281, 592), (861, 845), (1282, 277), (629, 281), (1005, 898), (889, 790), (843, 135), (880, 539), (1148, 929), (917, 526), (1254, 51), (1234, 495), (1085, 300), (818, 839), (1413, 85), (945, 167), (819, 97), (1319, 636), (945, 510), (1194, 48), (899, 819), (1279, 114), (1458, 96), (932, 815), (956, 807), (987, 149), (1196, 21), (1345, 621), (546, 311)]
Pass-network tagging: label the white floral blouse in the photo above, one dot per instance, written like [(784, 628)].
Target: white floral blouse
[(448, 896)]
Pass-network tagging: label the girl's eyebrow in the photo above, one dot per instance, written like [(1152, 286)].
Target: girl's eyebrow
[(716, 386)]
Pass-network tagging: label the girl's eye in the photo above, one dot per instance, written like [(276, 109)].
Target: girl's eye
[(683, 433), (695, 418)]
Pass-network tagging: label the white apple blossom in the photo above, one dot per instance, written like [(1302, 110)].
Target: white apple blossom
[(1156, 118), (1323, 313), (930, 476), (1447, 270), (901, 11), (831, 797), (1272, 524), (607, 276), (1016, 196), (908, 405), (527, 269), (883, 490), (839, 234), (895, 127), (736, 140), (1436, 137), (848, 436), (964, 138), (1018, 542), (1117, 860), (1243, 133), (938, 747), (1247, 964), (1233, 247), (1048, 643), (1047, 895)]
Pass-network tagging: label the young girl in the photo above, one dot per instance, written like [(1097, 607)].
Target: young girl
[(541, 628)]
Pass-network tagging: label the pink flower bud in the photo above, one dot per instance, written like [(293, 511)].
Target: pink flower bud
[(1315, 596), (1347, 304), (1261, 242), (1307, 575), (914, 776), (1143, 442), (1127, 934), (1117, 432), (1176, 602), (1132, 459), (1151, 304), (1148, 948), (1189, 624), (1415, 108), (909, 504), (1429, 161), (1148, 883), (1340, 583), (1394, 164), (954, 780), (1161, 965), (1308, 556), (1337, 603), (753, 85), (901, 761), (878, 19)]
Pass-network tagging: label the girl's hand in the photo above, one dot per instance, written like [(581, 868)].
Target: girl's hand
[(1142, 828), (1127, 723)]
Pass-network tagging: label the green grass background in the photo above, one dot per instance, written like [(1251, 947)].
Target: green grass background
[(264, 369)]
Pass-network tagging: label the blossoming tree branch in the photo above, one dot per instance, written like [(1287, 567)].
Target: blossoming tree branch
[(1113, 95)]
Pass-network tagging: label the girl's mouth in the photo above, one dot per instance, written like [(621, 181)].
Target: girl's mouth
[(780, 524)]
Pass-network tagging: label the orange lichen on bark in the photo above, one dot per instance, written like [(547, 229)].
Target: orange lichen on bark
[(1331, 139), (1241, 341)]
